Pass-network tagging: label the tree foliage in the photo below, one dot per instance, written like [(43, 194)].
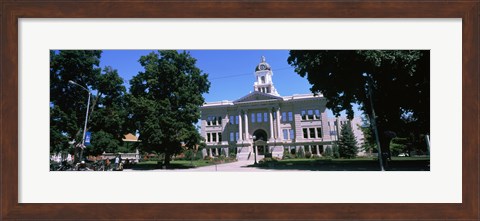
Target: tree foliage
[(399, 81), (68, 102), (108, 110), (399, 145), (368, 140), (347, 144), (165, 100)]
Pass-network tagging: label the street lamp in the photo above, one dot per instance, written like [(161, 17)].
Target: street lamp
[(373, 119), (86, 116), (254, 150)]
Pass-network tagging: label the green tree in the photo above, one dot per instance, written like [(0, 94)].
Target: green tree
[(368, 140), (328, 152), (108, 121), (68, 102), (335, 150), (399, 79), (165, 101), (347, 144), (398, 145)]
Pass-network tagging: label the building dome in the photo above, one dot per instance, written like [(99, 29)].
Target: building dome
[(263, 65)]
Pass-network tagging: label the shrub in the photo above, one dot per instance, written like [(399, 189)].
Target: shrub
[(300, 153), (188, 154), (287, 155), (308, 154), (335, 152), (328, 152), (268, 160), (207, 158)]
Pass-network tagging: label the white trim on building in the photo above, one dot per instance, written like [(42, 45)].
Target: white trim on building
[(269, 117)]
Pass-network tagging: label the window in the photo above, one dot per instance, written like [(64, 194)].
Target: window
[(214, 137), (312, 132), (284, 116), (285, 134), (219, 119), (232, 136), (268, 89), (232, 119), (304, 115), (292, 134), (208, 137), (265, 117), (305, 133), (236, 136), (219, 137), (214, 120), (253, 117), (290, 116), (263, 79), (319, 132), (310, 114), (259, 117), (236, 119), (209, 120), (274, 115), (317, 114)]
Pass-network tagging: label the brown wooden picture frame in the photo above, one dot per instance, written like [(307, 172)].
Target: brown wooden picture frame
[(12, 10)]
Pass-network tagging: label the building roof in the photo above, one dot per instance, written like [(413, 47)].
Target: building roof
[(257, 96), (130, 138)]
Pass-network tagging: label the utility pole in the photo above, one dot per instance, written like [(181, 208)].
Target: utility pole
[(86, 117), (373, 120)]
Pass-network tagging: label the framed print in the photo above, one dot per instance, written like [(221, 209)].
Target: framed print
[(34, 32)]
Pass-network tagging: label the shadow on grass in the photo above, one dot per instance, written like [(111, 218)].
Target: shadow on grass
[(345, 165)]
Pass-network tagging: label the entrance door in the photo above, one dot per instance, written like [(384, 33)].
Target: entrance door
[(260, 141)]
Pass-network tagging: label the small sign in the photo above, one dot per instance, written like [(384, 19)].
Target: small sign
[(88, 136)]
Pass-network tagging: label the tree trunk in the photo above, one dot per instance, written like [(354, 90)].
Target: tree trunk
[(167, 157)]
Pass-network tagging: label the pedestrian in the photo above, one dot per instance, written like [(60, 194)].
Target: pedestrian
[(107, 164), (117, 161)]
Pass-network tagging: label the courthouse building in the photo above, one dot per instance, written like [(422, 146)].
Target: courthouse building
[(264, 122)]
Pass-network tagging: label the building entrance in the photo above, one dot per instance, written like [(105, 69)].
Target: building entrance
[(260, 141)]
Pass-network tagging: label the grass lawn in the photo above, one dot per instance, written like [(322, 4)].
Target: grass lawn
[(357, 164), (174, 164)]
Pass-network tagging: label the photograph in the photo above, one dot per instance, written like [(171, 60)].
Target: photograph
[(239, 110)]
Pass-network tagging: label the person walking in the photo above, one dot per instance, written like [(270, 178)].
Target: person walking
[(117, 161)]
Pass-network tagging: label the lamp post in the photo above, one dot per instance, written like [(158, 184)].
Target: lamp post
[(373, 120), (254, 150), (86, 116)]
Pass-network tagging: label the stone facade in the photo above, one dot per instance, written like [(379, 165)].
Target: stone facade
[(265, 123)]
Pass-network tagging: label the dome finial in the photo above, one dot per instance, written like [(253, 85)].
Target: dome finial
[(263, 59)]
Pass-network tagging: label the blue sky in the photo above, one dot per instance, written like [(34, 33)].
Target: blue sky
[(231, 72)]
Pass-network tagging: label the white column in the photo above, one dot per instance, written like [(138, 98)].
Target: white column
[(271, 125), (210, 152), (246, 126), (240, 138), (318, 150), (279, 134)]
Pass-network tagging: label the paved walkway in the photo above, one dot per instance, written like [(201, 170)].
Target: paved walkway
[(238, 166)]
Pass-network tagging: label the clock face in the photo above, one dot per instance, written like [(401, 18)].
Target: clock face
[(262, 67)]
